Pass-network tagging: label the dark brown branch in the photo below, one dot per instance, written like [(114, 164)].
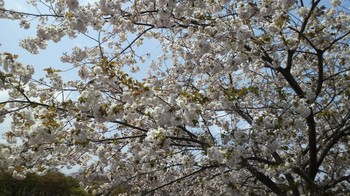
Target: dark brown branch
[(187, 146), (303, 175), (262, 160), (125, 124), (65, 110), (292, 82), (262, 177), (289, 60), (245, 116), (335, 138), (335, 41), (206, 125), (304, 36), (335, 74), (304, 24), (111, 140), (183, 128), (179, 179), (320, 72), (188, 140), (306, 19), (133, 41), (289, 177), (313, 168), (29, 14), (341, 179), (286, 71)]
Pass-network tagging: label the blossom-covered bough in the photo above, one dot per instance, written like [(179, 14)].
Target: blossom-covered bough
[(249, 97)]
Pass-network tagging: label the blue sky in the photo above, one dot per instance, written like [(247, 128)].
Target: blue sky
[(11, 34)]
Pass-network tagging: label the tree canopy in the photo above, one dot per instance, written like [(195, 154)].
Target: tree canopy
[(247, 96), (51, 184)]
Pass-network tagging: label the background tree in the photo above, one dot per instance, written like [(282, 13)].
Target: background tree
[(248, 97), (53, 183)]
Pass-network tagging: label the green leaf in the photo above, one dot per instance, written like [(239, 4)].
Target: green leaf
[(51, 71)]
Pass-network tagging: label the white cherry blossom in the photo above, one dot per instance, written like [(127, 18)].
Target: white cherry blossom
[(245, 98)]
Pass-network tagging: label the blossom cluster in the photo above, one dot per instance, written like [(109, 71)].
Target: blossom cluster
[(247, 97)]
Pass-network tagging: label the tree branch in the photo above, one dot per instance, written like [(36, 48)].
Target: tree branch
[(302, 174), (29, 14), (341, 179), (335, 138), (187, 140), (65, 110), (292, 82), (313, 168), (289, 177), (133, 41), (111, 140), (262, 160), (183, 128), (179, 179), (320, 72), (262, 177)]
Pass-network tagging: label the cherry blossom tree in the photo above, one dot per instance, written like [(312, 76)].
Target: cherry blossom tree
[(248, 97)]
